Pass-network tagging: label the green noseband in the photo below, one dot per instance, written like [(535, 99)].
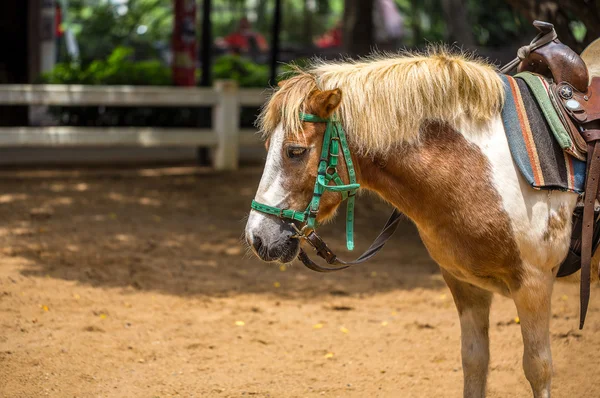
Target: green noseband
[(326, 174)]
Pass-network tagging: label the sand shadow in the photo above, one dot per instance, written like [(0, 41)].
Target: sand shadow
[(178, 231)]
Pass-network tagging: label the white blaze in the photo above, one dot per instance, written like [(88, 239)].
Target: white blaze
[(270, 190)]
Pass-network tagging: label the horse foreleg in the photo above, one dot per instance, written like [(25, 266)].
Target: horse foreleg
[(473, 305), (533, 306)]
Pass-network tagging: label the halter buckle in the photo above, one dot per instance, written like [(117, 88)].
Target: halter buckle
[(300, 233)]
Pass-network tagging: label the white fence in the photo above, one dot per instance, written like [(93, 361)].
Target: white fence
[(225, 98)]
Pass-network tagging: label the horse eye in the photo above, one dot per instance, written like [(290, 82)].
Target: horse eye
[(295, 152)]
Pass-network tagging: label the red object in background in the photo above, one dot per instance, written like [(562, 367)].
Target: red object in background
[(244, 38), (58, 21), (332, 38), (184, 43)]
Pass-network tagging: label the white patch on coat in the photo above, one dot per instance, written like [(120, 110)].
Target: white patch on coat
[(529, 210), (270, 189)]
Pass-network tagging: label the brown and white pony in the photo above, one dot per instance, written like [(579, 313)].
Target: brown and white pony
[(425, 134)]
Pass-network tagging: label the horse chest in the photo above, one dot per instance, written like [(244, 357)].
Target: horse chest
[(488, 266)]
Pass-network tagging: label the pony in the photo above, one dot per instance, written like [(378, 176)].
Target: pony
[(425, 134)]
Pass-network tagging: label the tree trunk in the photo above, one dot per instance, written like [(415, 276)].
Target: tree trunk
[(307, 28), (358, 27), (459, 28), (557, 12)]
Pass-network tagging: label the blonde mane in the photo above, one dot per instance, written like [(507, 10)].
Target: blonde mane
[(386, 99)]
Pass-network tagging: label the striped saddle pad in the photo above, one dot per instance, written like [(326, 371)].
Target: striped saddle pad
[(540, 145)]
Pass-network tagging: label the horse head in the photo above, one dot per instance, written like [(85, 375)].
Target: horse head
[(288, 199)]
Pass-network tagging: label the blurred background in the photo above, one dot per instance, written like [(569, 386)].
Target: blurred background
[(194, 43), (128, 162)]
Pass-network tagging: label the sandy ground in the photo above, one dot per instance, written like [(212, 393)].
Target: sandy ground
[(134, 283)]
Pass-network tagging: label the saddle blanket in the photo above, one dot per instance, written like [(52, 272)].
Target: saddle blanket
[(538, 142)]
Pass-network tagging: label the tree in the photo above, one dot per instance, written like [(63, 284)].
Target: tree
[(358, 27), (563, 14), (459, 28)]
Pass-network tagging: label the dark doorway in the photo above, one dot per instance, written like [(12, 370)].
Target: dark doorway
[(14, 49)]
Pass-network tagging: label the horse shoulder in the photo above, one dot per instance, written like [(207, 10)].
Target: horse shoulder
[(540, 220)]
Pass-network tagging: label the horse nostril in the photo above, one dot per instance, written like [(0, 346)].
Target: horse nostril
[(257, 243)]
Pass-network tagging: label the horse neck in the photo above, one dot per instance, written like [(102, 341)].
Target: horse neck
[(433, 181)]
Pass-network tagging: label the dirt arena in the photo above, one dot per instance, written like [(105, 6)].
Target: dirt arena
[(135, 283)]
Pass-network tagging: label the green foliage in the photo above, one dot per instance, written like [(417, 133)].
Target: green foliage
[(118, 68), (495, 24), (242, 70), (100, 26)]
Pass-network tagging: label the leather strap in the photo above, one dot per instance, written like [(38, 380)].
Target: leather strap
[(329, 256), (591, 192), (591, 135), (546, 35)]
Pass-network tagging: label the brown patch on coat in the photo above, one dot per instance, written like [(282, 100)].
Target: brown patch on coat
[(557, 222), (444, 185)]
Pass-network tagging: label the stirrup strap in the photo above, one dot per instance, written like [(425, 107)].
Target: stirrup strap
[(591, 192), (329, 256)]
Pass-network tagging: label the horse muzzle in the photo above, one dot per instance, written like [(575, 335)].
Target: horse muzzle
[(272, 239)]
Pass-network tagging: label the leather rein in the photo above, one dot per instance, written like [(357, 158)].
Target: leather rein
[(333, 140)]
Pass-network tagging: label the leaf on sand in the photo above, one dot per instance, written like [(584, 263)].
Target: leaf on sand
[(277, 285), (44, 307), (318, 326), (329, 355), (343, 329), (240, 323)]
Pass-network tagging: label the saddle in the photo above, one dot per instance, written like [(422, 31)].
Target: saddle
[(576, 98)]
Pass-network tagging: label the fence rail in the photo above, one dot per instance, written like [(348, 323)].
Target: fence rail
[(225, 98)]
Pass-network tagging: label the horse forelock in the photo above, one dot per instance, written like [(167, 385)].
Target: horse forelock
[(386, 99)]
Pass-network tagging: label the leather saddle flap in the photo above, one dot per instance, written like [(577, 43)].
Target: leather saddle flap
[(582, 107)]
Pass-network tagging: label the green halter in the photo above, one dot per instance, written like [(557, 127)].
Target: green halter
[(326, 174)]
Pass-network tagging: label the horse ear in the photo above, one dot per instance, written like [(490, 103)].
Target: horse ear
[(326, 102)]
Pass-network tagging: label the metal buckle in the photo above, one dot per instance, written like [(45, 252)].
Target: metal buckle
[(300, 233)]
